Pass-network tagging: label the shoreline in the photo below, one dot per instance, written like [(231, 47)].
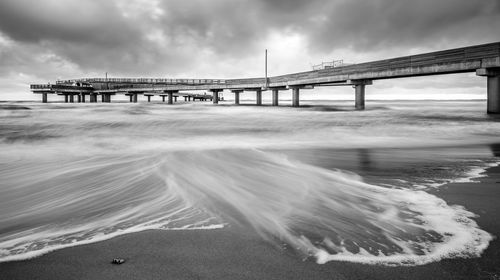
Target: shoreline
[(237, 253)]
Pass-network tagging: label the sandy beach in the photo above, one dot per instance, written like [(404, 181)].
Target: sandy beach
[(236, 252)]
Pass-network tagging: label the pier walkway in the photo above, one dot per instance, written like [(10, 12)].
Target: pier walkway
[(484, 60)]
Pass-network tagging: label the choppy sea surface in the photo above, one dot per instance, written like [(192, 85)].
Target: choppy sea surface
[(331, 182)]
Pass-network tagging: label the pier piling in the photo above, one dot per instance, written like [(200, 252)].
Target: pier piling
[(295, 97), (360, 96), (492, 87), (258, 96), (275, 97), (237, 96), (215, 98)]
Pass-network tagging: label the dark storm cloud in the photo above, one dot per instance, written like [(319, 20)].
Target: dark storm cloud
[(364, 25), (70, 21), (145, 37)]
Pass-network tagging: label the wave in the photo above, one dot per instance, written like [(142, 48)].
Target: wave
[(322, 213)]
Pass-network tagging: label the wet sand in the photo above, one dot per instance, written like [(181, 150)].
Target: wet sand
[(238, 253)]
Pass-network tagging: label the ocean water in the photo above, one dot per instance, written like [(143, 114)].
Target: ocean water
[(330, 182)]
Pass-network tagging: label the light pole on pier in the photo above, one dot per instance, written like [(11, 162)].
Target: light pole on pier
[(266, 68)]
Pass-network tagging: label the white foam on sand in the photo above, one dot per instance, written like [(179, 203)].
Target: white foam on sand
[(462, 237)]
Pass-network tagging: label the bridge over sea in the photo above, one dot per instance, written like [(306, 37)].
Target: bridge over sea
[(484, 60)]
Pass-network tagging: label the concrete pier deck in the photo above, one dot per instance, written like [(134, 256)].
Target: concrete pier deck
[(482, 59)]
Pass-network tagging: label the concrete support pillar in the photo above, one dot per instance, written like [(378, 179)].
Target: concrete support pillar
[(493, 88), (130, 97), (149, 98), (258, 96), (360, 96), (163, 98), (215, 97), (66, 98), (170, 98), (237, 97), (295, 97), (134, 98), (78, 98), (83, 98), (275, 97), (103, 98), (175, 98), (189, 98), (44, 98), (108, 98), (71, 98)]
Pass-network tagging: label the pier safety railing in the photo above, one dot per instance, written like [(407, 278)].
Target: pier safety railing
[(145, 81)]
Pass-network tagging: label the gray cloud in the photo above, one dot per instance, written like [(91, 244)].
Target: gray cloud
[(142, 37)]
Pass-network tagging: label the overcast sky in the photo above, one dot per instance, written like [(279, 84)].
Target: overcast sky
[(45, 40)]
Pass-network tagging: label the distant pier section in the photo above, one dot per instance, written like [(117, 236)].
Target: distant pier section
[(484, 60)]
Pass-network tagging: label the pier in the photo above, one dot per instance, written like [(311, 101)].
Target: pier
[(484, 60)]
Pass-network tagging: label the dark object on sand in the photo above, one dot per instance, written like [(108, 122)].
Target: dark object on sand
[(118, 261)]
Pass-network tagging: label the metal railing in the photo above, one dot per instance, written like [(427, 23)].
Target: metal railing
[(144, 81), (329, 64)]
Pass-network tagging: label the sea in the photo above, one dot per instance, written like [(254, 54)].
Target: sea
[(329, 182)]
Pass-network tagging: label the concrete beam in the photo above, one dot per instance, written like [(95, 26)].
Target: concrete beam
[(300, 86), (359, 82), (488, 72)]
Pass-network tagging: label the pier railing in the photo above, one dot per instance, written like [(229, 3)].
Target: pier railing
[(55, 87), (145, 81)]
